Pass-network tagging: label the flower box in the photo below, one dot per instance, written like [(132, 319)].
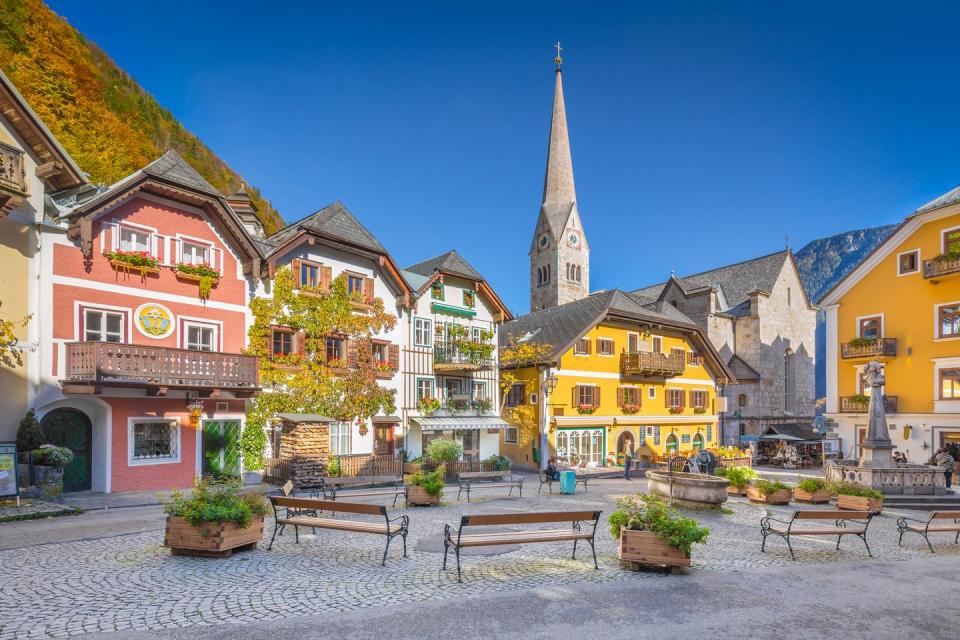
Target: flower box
[(780, 496), (123, 265), (860, 503), (733, 491), (820, 496), (211, 539), (418, 496), (412, 467), (646, 548), (195, 277)]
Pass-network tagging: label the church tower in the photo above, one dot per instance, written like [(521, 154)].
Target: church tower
[(559, 253)]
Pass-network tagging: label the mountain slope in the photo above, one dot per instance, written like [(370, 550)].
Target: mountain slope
[(104, 119), (824, 262)]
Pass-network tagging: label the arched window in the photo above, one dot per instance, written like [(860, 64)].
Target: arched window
[(578, 273), (539, 276), (788, 296), (671, 443), (698, 442), (546, 274), (742, 400), (789, 381)]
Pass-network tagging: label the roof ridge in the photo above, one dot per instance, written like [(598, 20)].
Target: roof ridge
[(727, 266)]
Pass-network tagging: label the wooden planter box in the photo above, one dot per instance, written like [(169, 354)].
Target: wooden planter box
[(733, 491), (858, 503), (120, 265), (195, 277), (644, 548), (384, 375), (820, 496), (213, 540), (412, 467), (418, 496), (777, 497)]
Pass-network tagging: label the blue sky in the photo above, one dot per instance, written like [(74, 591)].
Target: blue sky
[(702, 133)]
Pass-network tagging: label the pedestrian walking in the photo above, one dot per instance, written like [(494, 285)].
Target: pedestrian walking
[(946, 463), (627, 458)]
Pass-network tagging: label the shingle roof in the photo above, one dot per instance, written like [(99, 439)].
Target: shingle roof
[(415, 280), (743, 371), (950, 197), (736, 280), (450, 262), (170, 166), (333, 220)]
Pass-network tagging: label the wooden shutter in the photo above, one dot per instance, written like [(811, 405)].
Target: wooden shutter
[(393, 354), (619, 396), (295, 272), (576, 399), (299, 342), (353, 354), (326, 276), (589, 346), (596, 397), (368, 290)]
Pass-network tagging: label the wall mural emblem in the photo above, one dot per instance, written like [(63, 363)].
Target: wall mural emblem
[(154, 320)]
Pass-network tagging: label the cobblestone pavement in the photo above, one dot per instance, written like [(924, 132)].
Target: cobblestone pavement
[(129, 582)]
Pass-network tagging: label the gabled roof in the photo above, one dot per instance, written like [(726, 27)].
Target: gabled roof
[(736, 281), (333, 221), (170, 166), (743, 371), (950, 197), (451, 262)]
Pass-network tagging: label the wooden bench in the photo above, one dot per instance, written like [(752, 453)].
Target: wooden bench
[(460, 539), (938, 522), (488, 480), (304, 512), (793, 527), (547, 480), (331, 488)]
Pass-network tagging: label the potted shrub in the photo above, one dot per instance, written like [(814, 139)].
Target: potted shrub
[(739, 477), (444, 451), (425, 488), (49, 461), (769, 492), (413, 466), (497, 463), (652, 534), (29, 437), (216, 519), (812, 490), (856, 498)]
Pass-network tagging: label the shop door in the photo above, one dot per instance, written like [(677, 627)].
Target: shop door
[(471, 444), (383, 440), (221, 450), (71, 429)]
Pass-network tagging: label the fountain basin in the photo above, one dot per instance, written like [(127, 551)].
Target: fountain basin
[(902, 479), (693, 489)]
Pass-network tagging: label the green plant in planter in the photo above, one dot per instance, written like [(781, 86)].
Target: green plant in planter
[(253, 439), (29, 435), (482, 405), (444, 450), (52, 456), (217, 501), (739, 477), (430, 481), (498, 463), (208, 276), (647, 512), (948, 256), (812, 485), (853, 489), (861, 342), (140, 259), (859, 398), (428, 406), (333, 468), (767, 487)]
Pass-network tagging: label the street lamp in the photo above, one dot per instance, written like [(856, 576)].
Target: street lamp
[(551, 383)]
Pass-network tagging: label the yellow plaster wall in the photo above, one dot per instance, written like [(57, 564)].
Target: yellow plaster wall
[(14, 283)]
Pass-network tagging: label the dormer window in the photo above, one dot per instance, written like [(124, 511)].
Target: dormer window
[(134, 240)]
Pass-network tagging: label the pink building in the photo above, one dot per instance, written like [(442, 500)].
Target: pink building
[(148, 284)]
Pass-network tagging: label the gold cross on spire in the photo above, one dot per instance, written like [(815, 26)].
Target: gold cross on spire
[(558, 59)]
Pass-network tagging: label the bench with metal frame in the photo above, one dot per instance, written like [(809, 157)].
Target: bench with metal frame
[(488, 480), (547, 480), (457, 539), (295, 512), (332, 488), (931, 525), (787, 528)]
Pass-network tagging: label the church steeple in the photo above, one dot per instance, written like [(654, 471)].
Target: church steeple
[(559, 254)]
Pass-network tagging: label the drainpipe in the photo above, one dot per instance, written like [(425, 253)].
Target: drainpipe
[(544, 419)]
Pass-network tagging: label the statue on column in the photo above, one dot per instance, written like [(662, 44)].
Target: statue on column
[(877, 449)]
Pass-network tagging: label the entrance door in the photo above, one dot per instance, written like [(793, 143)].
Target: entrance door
[(71, 429), (672, 443), (383, 440), (626, 438), (221, 450), (697, 442), (471, 444)]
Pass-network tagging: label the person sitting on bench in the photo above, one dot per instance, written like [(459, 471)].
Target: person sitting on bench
[(552, 472)]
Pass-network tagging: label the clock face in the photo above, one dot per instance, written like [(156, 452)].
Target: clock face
[(573, 239), (544, 241)]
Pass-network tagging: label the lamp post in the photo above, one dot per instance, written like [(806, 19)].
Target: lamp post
[(547, 386)]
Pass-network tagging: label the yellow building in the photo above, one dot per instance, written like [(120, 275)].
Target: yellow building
[(901, 305), (618, 369)]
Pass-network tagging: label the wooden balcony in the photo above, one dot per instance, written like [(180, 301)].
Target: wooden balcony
[(879, 348), (935, 269), (91, 366), (449, 356), (645, 363), (856, 404), (13, 184)]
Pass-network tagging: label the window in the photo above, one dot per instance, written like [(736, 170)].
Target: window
[(605, 346), (543, 275), (871, 327), (743, 429), (578, 274), (675, 398), (200, 337), (479, 390), (354, 284), (475, 334), (949, 320), (657, 344), (282, 342), (677, 353), (698, 398), (511, 435), (587, 395), (533, 398), (951, 240), (652, 393), (633, 342), (381, 353), (339, 438), (422, 332), (630, 396), (193, 253), (950, 384), (334, 348), (102, 326), (788, 296), (424, 388), (742, 400), (309, 275), (573, 272), (908, 262), (694, 358), (583, 347), (436, 291), (516, 394), (154, 440), (469, 299), (134, 240)]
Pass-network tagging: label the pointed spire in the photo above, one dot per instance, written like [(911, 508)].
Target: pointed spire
[(559, 193)]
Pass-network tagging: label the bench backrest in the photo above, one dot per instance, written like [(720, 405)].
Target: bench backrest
[(832, 515), (338, 482), (483, 475), (544, 476), (945, 515), (528, 518), (328, 505)]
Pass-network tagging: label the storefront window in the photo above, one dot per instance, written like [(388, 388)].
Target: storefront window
[(578, 445), (672, 443)]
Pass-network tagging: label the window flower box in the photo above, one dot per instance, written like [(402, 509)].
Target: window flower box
[(133, 261), (676, 410), (383, 370), (206, 277), (630, 408), (586, 409)]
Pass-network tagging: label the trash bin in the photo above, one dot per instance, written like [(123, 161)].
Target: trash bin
[(568, 481)]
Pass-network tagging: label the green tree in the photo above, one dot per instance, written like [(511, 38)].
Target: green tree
[(515, 356), (29, 435)]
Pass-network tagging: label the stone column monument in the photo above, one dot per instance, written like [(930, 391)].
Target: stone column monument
[(877, 449)]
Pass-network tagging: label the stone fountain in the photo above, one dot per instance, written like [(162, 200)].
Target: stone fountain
[(875, 468)]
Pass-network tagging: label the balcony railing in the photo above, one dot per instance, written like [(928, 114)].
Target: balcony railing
[(881, 347), (857, 404), (651, 364), (130, 365), (449, 356), (11, 169), (933, 269)]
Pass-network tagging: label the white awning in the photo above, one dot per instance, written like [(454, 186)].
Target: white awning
[(458, 423)]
